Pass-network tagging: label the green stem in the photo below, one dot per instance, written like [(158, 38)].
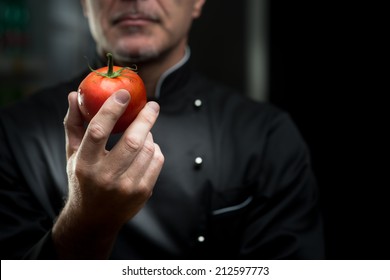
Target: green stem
[(110, 71), (110, 65)]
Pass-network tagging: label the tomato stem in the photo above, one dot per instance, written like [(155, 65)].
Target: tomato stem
[(110, 65), (110, 69)]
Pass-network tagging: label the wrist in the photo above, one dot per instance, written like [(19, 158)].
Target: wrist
[(78, 236)]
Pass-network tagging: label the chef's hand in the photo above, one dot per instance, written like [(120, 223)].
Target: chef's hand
[(106, 188)]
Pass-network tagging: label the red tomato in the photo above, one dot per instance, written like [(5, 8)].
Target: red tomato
[(102, 83)]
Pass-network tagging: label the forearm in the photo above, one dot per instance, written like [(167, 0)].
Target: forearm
[(75, 236)]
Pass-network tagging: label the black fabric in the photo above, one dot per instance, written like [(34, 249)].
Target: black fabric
[(252, 197)]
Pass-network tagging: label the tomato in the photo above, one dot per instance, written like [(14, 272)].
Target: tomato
[(100, 84)]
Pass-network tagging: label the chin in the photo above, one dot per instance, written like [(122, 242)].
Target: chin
[(127, 58), (131, 51)]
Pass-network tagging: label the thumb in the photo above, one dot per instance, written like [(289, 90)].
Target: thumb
[(74, 125)]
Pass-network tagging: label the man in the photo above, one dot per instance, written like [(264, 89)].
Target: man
[(232, 178)]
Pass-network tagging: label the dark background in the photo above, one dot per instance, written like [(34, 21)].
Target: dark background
[(325, 65), (325, 68)]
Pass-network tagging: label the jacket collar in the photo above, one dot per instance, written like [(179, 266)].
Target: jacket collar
[(175, 76)]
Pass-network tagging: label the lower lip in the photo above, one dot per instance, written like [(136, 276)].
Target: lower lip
[(134, 22)]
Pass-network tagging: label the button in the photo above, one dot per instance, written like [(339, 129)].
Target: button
[(201, 238), (198, 161), (198, 103)]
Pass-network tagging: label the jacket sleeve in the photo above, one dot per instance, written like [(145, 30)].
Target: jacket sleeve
[(24, 229), (24, 225), (284, 221)]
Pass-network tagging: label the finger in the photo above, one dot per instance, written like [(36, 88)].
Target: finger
[(133, 139), (146, 168), (101, 125), (74, 125), (154, 169), (141, 162)]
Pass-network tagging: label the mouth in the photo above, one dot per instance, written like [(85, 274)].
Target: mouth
[(131, 19)]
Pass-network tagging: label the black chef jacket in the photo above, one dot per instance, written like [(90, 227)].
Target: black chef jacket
[(236, 183)]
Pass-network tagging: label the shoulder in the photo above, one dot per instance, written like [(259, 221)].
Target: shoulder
[(45, 106), (35, 121)]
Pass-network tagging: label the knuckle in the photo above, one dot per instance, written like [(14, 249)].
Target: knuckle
[(96, 131), (144, 191), (133, 143), (66, 123), (135, 188), (149, 119), (66, 120), (106, 180), (158, 155), (149, 148), (160, 159), (110, 112)]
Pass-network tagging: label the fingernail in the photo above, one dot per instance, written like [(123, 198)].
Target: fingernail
[(154, 106), (122, 96)]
